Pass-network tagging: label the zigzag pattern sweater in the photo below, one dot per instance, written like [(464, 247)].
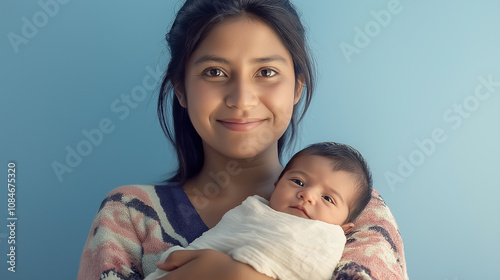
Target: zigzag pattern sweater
[(135, 224)]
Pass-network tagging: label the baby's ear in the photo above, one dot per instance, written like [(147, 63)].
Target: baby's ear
[(347, 227)]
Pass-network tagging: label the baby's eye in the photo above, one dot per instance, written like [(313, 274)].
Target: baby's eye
[(298, 182), (329, 199), (266, 73), (214, 72)]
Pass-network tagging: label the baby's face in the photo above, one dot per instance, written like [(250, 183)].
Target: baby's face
[(310, 189)]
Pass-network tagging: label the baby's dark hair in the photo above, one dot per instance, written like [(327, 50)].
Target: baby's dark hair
[(343, 158)]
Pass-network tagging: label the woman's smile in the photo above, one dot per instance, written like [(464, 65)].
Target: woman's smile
[(240, 124)]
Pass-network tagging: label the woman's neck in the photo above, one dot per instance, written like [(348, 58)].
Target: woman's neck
[(228, 180), (223, 183)]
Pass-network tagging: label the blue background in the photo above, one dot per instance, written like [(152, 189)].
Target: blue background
[(71, 70)]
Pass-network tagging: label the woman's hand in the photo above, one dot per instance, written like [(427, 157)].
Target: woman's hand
[(206, 265)]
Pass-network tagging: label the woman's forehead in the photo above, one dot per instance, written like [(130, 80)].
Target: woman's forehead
[(242, 37)]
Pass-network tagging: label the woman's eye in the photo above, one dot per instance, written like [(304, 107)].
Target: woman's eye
[(214, 72), (267, 73), (329, 199), (298, 182)]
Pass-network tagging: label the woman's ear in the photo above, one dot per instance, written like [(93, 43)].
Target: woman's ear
[(347, 227), (180, 94), (299, 86)]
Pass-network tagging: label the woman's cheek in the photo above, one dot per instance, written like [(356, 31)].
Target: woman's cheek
[(284, 115), (279, 99)]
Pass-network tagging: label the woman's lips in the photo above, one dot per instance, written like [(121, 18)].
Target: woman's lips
[(240, 124)]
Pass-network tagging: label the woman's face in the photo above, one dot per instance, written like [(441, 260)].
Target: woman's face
[(240, 88)]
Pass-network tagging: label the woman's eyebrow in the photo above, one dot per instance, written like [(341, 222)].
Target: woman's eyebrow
[(274, 57), (214, 58)]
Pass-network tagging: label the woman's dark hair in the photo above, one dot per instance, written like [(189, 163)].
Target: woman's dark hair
[(343, 158), (194, 20)]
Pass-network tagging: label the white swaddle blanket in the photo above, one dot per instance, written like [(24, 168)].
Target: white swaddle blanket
[(279, 245)]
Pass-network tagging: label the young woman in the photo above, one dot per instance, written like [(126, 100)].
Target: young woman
[(239, 71)]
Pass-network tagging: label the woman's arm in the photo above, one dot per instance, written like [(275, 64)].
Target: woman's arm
[(374, 248), (207, 265)]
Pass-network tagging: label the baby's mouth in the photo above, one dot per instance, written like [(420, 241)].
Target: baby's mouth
[(299, 207)]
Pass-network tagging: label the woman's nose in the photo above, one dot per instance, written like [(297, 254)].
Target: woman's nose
[(242, 94)]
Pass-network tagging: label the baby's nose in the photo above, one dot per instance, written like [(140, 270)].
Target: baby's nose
[(308, 195)]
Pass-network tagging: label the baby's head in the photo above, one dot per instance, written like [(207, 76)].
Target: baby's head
[(327, 181)]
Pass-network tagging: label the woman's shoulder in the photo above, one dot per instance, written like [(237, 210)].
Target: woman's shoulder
[(130, 225), (144, 198), (139, 189), (131, 190), (166, 204), (145, 193)]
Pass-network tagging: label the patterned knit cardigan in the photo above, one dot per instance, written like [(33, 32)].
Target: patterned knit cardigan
[(135, 224)]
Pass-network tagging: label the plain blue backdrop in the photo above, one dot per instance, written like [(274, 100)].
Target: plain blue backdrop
[(414, 85)]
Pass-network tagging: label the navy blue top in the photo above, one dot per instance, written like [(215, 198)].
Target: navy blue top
[(180, 212)]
